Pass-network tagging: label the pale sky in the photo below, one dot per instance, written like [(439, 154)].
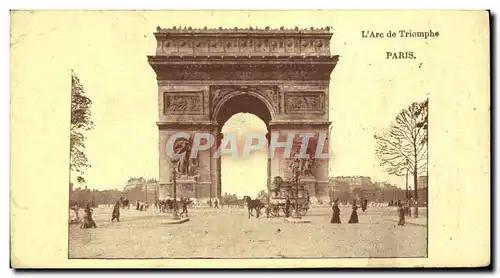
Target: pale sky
[(108, 50)]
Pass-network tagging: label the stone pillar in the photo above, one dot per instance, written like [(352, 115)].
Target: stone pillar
[(165, 167), (215, 166), (276, 159), (269, 178), (322, 171)]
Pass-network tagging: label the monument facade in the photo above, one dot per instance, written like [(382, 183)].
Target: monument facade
[(205, 76)]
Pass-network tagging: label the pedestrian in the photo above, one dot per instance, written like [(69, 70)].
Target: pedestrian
[(76, 219), (354, 214), (216, 202), (287, 206), (336, 212), (184, 204), (401, 214), (88, 222), (364, 204), (116, 212)]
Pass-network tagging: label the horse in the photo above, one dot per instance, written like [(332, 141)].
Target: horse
[(256, 205)]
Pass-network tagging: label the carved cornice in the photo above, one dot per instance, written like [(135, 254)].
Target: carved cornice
[(265, 30), (300, 123), (249, 59), (208, 125), (315, 83), (194, 125), (243, 68), (196, 183), (242, 42)]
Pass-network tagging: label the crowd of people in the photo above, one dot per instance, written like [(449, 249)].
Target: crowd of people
[(403, 210)]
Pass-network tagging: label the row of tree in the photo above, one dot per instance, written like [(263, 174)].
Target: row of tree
[(106, 197), (381, 192)]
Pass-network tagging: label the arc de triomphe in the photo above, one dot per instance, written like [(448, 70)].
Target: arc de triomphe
[(205, 76)]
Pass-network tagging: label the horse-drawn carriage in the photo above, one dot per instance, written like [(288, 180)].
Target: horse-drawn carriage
[(281, 190)]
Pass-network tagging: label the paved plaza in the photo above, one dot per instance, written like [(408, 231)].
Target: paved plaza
[(228, 233)]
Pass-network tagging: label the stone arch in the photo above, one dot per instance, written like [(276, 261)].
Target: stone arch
[(200, 88), (253, 97), (240, 101)]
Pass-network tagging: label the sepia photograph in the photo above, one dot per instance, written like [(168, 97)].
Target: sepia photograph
[(239, 94), (250, 134)]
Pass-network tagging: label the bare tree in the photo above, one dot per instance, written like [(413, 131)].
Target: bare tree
[(422, 117), (403, 146)]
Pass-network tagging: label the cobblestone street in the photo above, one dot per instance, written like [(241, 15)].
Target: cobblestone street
[(228, 233)]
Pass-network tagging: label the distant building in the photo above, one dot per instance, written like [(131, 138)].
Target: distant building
[(422, 182), (140, 183), (353, 182), (422, 188), (135, 188), (345, 188)]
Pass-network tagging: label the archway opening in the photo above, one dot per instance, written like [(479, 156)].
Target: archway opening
[(243, 173)]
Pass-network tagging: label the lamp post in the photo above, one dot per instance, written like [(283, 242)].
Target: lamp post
[(175, 219), (174, 184), (296, 181)]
